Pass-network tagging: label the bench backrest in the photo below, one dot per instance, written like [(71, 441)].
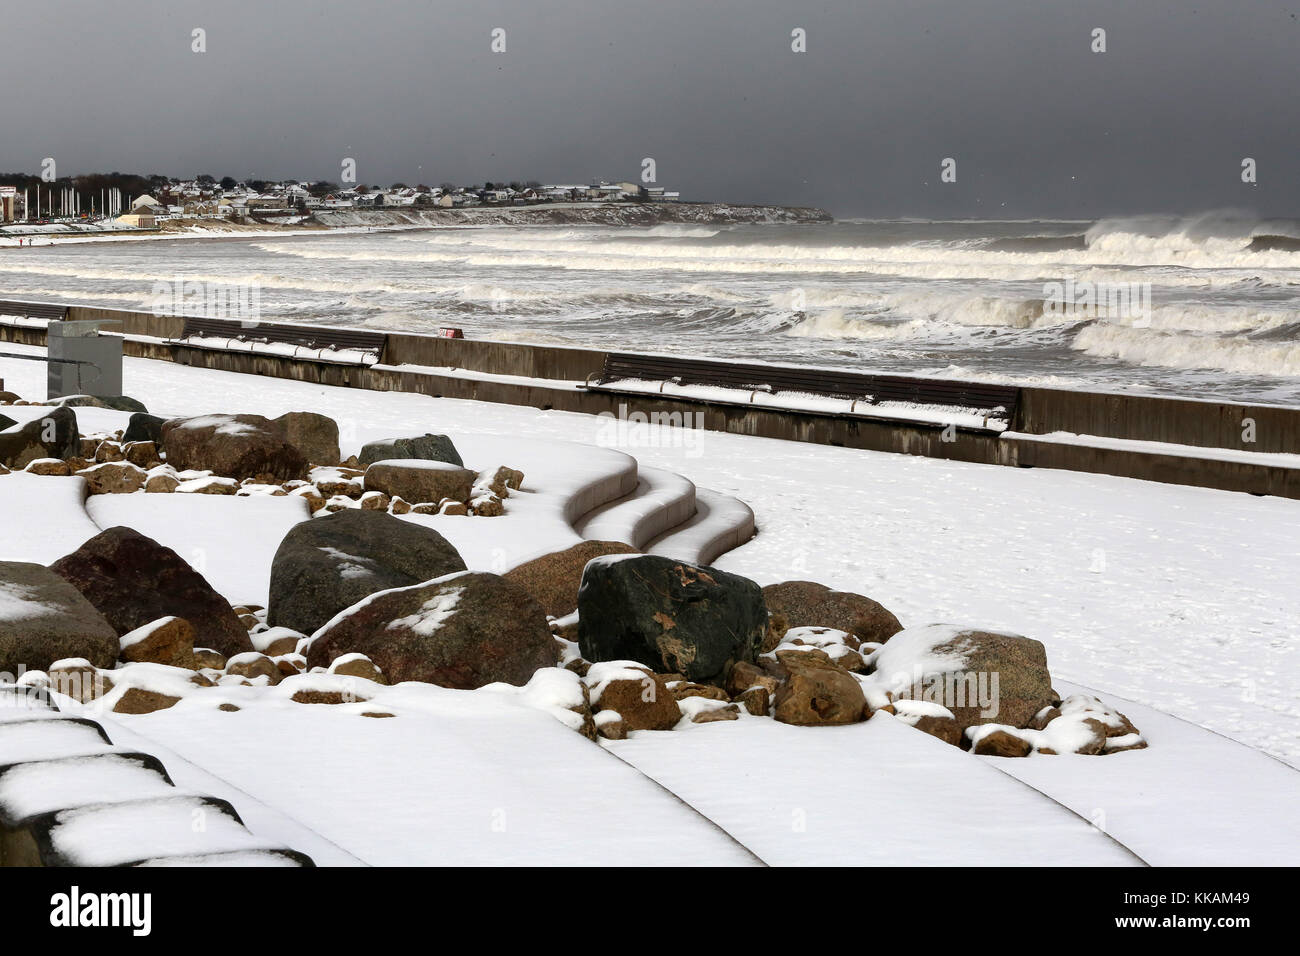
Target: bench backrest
[(33, 310), (833, 383), (308, 336)]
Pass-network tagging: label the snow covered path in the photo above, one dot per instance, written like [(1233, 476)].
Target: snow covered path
[(458, 778), (1193, 799), (871, 794)]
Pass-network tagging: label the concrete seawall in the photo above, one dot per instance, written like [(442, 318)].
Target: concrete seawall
[(1135, 436)]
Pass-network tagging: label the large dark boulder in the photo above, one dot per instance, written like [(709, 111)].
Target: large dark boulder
[(672, 616), (133, 580), (424, 447), (327, 564), (144, 427), (235, 446), (463, 630), (808, 604), (44, 619), (553, 579), (53, 435)]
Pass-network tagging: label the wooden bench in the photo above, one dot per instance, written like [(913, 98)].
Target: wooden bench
[(33, 310), (318, 343), (994, 404)]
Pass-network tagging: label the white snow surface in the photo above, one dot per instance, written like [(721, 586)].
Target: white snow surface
[(1180, 598)]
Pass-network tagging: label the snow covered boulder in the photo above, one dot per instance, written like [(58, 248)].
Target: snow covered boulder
[(168, 640), (672, 616), (44, 619), (417, 480), (981, 677), (806, 603), (316, 436), (133, 580), (328, 564), (50, 436), (462, 630), (641, 699), (553, 579), (234, 446), (424, 447)]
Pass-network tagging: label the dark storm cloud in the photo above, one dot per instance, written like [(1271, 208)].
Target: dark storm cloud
[(1038, 124)]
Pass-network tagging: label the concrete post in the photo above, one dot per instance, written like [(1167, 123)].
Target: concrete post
[(82, 361)]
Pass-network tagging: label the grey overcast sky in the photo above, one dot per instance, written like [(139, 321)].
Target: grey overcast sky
[(1038, 123)]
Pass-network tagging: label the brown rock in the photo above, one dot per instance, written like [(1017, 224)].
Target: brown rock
[(113, 478), (461, 630), (945, 728), (139, 701), (161, 484), (50, 467), (817, 693), (254, 665), (109, 451), (645, 704), (730, 712), (140, 453), (361, 667), (488, 506), (755, 700), (316, 436), (1000, 743), (281, 646), (745, 675), (553, 579), (417, 480), (805, 603), (169, 640), (686, 689), (399, 506), (233, 446), (80, 682), (777, 625), (325, 697), (205, 657)]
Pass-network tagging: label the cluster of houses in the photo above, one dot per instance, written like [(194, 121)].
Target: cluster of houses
[(198, 200)]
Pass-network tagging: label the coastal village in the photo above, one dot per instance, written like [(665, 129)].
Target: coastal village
[(205, 197)]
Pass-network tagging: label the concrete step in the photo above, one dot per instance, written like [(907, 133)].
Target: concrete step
[(661, 501), (719, 524)]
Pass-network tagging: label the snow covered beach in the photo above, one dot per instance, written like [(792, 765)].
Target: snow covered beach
[(1173, 598)]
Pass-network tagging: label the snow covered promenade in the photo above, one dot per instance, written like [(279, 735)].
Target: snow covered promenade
[(1178, 599)]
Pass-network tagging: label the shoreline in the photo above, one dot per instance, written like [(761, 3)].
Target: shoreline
[(393, 219)]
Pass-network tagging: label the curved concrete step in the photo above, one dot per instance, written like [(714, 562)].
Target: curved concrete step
[(719, 524), (661, 501)]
